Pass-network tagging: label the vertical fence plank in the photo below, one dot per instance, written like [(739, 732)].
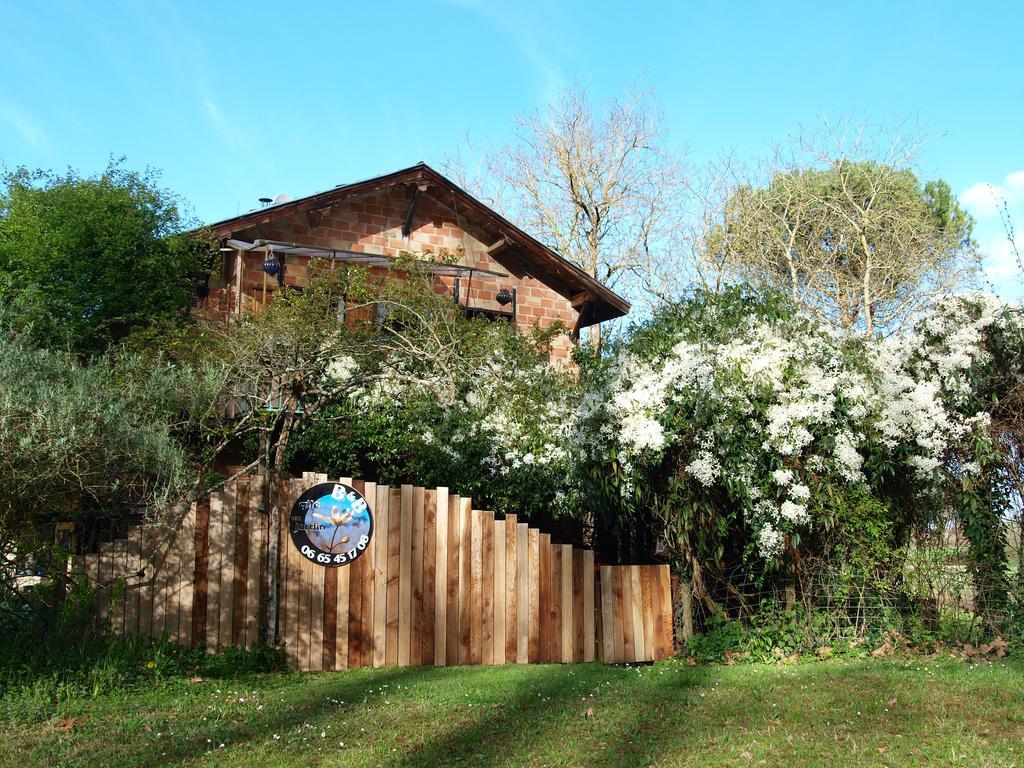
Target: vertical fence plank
[(394, 575), (134, 565), (534, 612), (240, 582), (511, 588), (317, 581), (253, 581), (578, 615), (544, 597), (119, 557), (405, 577), (498, 595), (145, 581), (91, 561), (476, 604), (172, 567), (568, 610), (186, 575), (465, 581), (453, 567), (441, 594), (102, 582), (647, 610), (380, 576), (215, 553), (361, 611), (429, 576), (636, 591), (486, 599), (343, 594), (665, 584), (589, 618), (607, 616), (200, 582), (618, 636), (236, 494), (628, 638), (416, 607), (523, 580), (291, 585)]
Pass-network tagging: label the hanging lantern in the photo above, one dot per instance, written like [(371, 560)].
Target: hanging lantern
[(271, 265)]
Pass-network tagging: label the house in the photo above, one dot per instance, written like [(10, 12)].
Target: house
[(500, 271)]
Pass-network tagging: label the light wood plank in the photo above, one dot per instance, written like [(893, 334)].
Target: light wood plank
[(452, 633), (441, 579), (254, 572), (405, 578), (568, 613), (218, 502), (292, 586), (119, 564), (523, 590), (578, 616), (589, 619), (134, 565), (466, 581), (394, 576), (665, 584), (233, 492), (623, 617), (429, 575), (344, 597), (647, 575), (146, 581), (511, 588), (380, 575), (534, 617), (416, 600), (637, 596), (498, 600), (187, 573), (607, 616), (476, 587), (546, 572)]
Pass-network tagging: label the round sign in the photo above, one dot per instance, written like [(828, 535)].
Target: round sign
[(331, 524)]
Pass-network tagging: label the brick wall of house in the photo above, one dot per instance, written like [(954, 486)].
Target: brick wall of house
[(373, 225)]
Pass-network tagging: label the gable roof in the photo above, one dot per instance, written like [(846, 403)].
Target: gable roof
[(521, 253)]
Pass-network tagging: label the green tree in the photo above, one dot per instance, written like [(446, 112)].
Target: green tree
[(87, 260), (858, 242)]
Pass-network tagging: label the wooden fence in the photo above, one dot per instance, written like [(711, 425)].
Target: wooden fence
[(441, 583)]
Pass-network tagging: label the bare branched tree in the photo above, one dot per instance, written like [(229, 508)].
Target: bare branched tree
[(595, 183)]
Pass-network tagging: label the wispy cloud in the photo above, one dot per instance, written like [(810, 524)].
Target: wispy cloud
[(527, 33), (998, 210), (24, 124), (987, 199)]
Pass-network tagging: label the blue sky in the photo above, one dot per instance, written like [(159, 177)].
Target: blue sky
[(236, 101)]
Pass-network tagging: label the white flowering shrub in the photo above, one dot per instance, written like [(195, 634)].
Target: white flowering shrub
[(738, 424), (503, 437)]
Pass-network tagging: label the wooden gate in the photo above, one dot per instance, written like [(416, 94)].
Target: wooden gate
[(441, 583)]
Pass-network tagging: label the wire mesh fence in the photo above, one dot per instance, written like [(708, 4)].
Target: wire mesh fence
[(926, 594)]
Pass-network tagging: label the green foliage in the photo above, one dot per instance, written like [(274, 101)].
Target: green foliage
[(857, 243), (84, 261), (102, 439), (500, 407), (46, 660)]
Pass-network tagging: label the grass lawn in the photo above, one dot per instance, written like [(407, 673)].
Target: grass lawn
[(879, 712)]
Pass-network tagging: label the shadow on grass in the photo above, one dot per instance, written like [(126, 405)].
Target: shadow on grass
[(350, 688), (515, 714), (548, 710)]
